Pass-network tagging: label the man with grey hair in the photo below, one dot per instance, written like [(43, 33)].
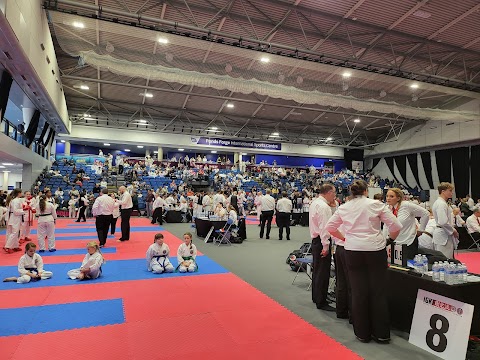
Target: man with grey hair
[(125, 212), (473, 223)]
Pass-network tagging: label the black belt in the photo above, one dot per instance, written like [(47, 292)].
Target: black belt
[(44, 214)]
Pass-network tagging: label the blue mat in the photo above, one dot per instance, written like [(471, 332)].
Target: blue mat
[(93, 230), (113, 271), (83, 251), (51, 318)]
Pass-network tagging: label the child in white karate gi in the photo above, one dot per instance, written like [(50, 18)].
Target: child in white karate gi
[(157, 256), (91, 266), (30, 267), (186, 255)]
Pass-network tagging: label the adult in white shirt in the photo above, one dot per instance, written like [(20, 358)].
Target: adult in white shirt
[(258, 203), (15, 214), (157, 208), (102, 209), (445, 234), (207, 203), (470, 202), (284, 210), (115, 215), (120, 163), (319, 214), (406, 212), (46, 224), (366, 259), (268, 207), (473, 223), (125, 212)]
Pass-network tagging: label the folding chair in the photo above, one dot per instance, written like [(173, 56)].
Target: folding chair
[(306, 260), (223, 235), (475, 242)]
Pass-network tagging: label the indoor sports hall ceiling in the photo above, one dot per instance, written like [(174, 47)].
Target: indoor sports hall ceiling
[(350, 73)]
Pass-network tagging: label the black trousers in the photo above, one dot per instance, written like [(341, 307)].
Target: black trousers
[(367, 272), (157, 215), (81, 213), (120, 169), (125, 214), (343, 292), (411, 250), (102, 223), (283, 221), (266, 218), (321, 273), (113, 225)]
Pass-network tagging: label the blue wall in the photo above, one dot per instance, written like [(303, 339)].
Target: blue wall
[(303, 161), (92, 150)]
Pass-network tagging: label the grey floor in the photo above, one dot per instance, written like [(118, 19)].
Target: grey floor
[(261, 263)]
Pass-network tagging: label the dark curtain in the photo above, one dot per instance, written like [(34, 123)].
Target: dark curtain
[(375, 162), (461, 170), (50, 137), (412, 160), (32, 127), (44, 131), (5, 85), (391, 167), (444, 165), (401, 162), (427, 167), (475, 171)]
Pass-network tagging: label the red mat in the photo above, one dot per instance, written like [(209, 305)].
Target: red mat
[(472, 259), (203, 317)]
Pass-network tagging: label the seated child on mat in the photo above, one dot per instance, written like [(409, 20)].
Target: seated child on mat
[(186, 254), (30, 267), (157, 256), (91, 266)]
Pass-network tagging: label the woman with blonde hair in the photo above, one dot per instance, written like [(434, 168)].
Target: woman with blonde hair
[(406, 212), (91, 266)]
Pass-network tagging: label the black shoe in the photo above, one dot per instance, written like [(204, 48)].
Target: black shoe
[(326, 307), (288, 238), (77, 220), (152, 223), (267, 237), (343, 316), (381, 340), (363, 340), (280, 239)]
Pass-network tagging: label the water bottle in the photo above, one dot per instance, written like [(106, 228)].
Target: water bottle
[(441, 271), (450, 274), (459, 274), (425, 264), (416, 263), (436, 271), (464, 273)]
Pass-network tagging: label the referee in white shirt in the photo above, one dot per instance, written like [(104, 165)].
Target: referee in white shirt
[(268, 207), (473, 223), (125, 212), (284, 209), (319, 214), (366, 260), (102, 209)]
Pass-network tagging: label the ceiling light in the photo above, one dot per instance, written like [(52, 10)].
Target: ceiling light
[(163, 40), (2, 167), (140, 146), (7, 164), (213, 151), (414, 86), (347, 74), (329, 139), (356, 121), (127, 150), (264, 59), (244, 154), (87, 115), (84, 87), (106, 144), (62, 141), (78, 24), (155, 152), (214, 128), (275, 134), (181, 149), (142, 121), (148, 95), (6, 171), (231, 106)]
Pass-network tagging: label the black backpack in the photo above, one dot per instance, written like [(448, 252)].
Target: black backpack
[(296, 254)]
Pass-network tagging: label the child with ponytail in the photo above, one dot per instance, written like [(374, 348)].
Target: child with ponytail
[(186, 255), (91, 266)]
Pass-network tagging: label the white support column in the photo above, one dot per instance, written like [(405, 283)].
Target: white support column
[(5, 181), (27, 176), (236, 157), (67, 148), (160, 154)]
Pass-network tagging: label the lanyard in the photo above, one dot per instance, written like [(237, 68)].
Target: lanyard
[(395, 211)]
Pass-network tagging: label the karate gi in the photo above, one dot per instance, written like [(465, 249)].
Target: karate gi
[(157, 259)]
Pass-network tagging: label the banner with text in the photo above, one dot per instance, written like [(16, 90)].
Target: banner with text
[(236, 143)]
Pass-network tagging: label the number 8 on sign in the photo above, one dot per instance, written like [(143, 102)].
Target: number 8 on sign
[(438, 333), (441, 325)]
